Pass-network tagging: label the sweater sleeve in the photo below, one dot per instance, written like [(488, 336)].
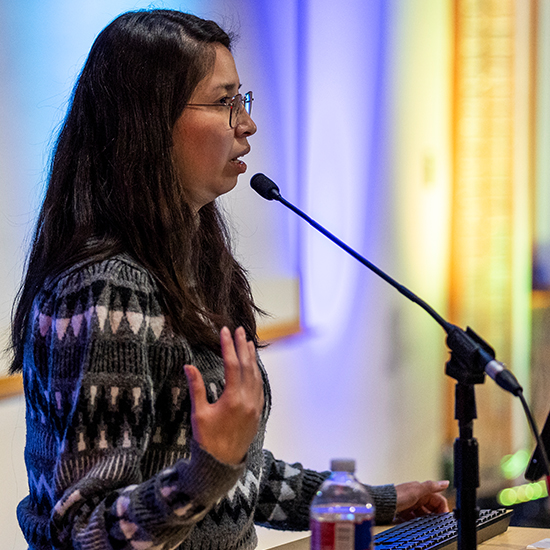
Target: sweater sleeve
[(89, 371), (286, 492), (98, 514), (384, 499)]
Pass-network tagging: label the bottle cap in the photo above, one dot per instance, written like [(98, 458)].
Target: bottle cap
[(342, 465)]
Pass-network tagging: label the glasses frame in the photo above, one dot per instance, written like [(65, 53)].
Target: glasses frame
[(237, 101)]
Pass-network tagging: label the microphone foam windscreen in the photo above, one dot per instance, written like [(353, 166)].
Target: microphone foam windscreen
[(264, 186)]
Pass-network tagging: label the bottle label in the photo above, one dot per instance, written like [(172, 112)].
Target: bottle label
[(341, 535)]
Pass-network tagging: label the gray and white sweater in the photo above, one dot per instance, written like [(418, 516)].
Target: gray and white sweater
[(110, 455)]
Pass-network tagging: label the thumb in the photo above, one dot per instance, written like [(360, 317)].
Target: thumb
[(436, 486), (197, 391)]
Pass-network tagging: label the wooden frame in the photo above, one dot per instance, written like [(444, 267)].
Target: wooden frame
[(11, 386)]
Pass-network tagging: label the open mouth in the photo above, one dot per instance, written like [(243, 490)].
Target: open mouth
[(239, 166), (237, 158)]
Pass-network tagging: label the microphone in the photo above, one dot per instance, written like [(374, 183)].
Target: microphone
[(265, 187), (466, 346)]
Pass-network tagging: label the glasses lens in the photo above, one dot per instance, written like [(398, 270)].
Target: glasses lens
[(236, 105), (247, 100)]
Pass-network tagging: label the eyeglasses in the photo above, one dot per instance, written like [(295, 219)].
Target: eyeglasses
[(235, 104)]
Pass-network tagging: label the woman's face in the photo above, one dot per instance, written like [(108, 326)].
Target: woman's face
[(206, 149)]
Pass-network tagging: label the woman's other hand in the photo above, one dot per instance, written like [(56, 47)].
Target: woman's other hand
[(227, 427), (418, 499)]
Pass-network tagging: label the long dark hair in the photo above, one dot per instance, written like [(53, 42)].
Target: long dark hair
[(113, 188)]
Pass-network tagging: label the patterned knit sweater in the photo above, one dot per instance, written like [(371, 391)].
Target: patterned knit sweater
[(110, 456)]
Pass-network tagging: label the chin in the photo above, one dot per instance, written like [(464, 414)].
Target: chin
[(229, 185)]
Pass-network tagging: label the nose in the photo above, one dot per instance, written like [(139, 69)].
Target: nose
[(245, 125)]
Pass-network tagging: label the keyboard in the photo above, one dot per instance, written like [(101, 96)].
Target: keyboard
[(438, 531)]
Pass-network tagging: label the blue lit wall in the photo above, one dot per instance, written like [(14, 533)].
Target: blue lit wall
[(366, 377)]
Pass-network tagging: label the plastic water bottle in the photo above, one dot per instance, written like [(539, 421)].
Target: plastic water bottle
[(342, 514)]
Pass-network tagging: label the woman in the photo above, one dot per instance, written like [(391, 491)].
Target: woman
[(145, 416)]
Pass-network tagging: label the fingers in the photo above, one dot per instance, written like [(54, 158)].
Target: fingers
[(417, 499), (434, 501), (440, 506), (435, 486), (251, 377), (230, 358), (197, 390), (241, 368), (247, 359), (239, 356), (226, 427), (437, 503)]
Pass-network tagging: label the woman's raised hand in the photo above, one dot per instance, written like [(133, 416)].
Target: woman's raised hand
[(227, 427)]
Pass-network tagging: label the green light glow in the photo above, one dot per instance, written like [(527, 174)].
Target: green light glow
[(512, 466), (522, 493)]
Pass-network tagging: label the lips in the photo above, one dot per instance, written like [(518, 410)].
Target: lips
[(242, 154), (238, 165)]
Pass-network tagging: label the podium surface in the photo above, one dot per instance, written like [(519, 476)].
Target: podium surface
[(514, 538)]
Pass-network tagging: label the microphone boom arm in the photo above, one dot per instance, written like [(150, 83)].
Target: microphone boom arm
[(400, 288), (471, 358)]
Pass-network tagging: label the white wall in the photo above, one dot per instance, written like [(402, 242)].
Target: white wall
[(13, 479)]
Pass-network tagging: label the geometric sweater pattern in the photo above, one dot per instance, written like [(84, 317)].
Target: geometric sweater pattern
[(110, 455)]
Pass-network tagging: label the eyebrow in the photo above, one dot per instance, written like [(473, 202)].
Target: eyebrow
[(228, 87)]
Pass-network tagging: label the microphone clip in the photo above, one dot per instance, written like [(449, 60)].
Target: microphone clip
[(469, 355)]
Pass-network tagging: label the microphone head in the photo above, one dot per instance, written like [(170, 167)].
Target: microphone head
[(265, 187)]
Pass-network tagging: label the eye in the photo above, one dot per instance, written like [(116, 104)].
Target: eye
[(225, 100)]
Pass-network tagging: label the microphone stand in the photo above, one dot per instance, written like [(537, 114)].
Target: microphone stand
[(470, 357), (465, 367)]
